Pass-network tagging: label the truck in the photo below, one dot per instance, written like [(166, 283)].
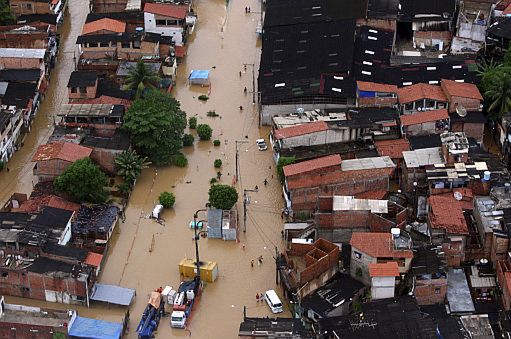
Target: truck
[(152, 314), (187, 296)]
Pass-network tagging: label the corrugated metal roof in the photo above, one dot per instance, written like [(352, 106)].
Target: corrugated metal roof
[(112, 294), (423, 157), (27, 53), (367, 163), (349, 203)]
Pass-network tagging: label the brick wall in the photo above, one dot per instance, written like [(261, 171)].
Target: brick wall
[(90, 92), (32, 40), (376, 102), (502, 267), (430, 291), (21, 63), (469, 104), (105, 158), (20, 7), (49, 169), (108, 6), (386, 25), (379, 224)]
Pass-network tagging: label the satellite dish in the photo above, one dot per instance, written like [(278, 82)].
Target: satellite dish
[(462, 111), (458, 196), (300, 110)]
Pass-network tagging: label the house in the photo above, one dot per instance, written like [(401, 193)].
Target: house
[(27, 7), (105, 149), (393, 148), (93, 225), (327, 176), (455, 147), (58, 220), (22, 58), (338, 217), (383, 279), (429, 274), (37, 202), (10, 121), (82, 85), (448, 227), (335, 298), (36, 36), (52, 159), (132, 19), (421, 97), (104, 26), (473, 21), (304, 268), (459, 299), (167, 19), (371, 94), (223, 224), (414, 165), (462, 94), (374, 248), (425, 122), (104, 118)]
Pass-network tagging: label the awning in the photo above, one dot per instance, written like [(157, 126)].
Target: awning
[(112, 294), (94, 329)]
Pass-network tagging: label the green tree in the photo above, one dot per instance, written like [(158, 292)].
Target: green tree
[(84, 181), (217, 163), (284, 161), (223, 196), (167, 199), (204, 131), (129, 165), (156, 124), (180, 160), (192, 122), (188, 140), (141, 77), (498, 96), (6, 16), (216, 142)]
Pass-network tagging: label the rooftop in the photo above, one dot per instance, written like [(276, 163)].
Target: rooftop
[(82, 79), (106, 24), (93, 259), (378, 245), (420, 91), (423, 157), (125, 66), (23, 53), (312, 165), (61, 150), (119, 141), (392, 148), (446, 213), (19, 94), (43, 265), (298, 130), (459, 299), (88, 110), (34, 316), (53, 217), (167, 10), (461, 89), (20, 75), (35, 204), (426, 261), (423, 117), (376, 87), (367, 163), (273, 326), (95, 219), (105, 99), (349, 203), (388, 269), (456, 142)]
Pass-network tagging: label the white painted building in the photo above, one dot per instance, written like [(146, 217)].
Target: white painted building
[(383, 279), (166, 19)]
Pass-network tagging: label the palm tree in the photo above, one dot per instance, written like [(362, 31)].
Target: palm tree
[(499, 96), (140, 77), (129, 165)]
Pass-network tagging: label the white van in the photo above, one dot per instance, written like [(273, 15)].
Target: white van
[(273, 301)]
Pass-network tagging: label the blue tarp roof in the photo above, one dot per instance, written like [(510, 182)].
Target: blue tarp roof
[(199, 74), (94, 329), (112, 294)]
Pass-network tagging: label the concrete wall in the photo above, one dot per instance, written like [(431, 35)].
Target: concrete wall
[(329, 136), (176, 32), (360, 263), (382, 287), (124, 53), (420, 129)]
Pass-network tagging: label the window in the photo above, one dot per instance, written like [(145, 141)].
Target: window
[(104, 44), (125, 45), (5, 274), (136, 44), (113, 44), (161, 22), (83, 89), (357, 255), (437, 290), (74, 89)]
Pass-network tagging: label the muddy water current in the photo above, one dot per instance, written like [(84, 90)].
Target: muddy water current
[(224, 39)]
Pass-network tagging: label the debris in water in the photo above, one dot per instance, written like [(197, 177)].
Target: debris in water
[(189, 182)]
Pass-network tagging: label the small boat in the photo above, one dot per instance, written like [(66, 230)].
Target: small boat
[(152, 314)]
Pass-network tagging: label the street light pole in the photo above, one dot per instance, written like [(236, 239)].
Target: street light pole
[(238, 142), (196, 239), (245, 201)]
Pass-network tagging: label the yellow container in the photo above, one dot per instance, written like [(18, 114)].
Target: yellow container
[(208, 269)]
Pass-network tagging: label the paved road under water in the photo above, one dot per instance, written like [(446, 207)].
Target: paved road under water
[(223, 40)]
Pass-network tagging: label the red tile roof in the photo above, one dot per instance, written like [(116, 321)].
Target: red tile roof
[(446, 213), (392, 148), (467, 200), (461, 89), (376, 87), (420, 91), (372, 195), (388, 269), (106, 24), (311, 165), (104, 99), (378, 245), (168, 10), (297, 130), (66, 151), (180, 51), (93, 259), (34, 204), (424, 116)]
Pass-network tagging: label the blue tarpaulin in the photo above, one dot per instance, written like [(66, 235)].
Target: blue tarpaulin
[(94, 329), (199, 77)]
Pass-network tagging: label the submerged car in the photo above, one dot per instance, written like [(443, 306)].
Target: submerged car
[(261, 144)]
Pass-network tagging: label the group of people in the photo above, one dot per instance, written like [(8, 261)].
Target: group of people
[(247, 10), (259, 297), (259, 260)]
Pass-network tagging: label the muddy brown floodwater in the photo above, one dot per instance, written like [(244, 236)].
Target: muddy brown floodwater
[(223, 41)]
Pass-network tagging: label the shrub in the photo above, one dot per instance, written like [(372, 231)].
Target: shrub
[(203, 97), (167, 199), (188, 140), (124, 188), (204, 131), (216, 142), (180, 160), (223, 196), (2, 165), (217, 163), (284, 161), (212, 114), (192, 122), (212, 181)]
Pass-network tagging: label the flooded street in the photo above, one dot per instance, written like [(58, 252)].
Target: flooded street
[(223, 41)]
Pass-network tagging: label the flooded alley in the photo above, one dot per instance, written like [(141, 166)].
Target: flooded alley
[(224, 41)]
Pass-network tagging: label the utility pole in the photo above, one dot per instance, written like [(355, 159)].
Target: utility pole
[(238, 142), (253, 82), (245, 202), (276, 266)]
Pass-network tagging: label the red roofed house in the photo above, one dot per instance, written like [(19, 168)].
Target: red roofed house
[(447, 226), (383, 279), (372, 94), (393, 148), (166, 19), (378, 248), (306, 181), (425, 123), (52, 159), (504, 281), (94, 260), (308, 134), (104, 26), (421, 97)]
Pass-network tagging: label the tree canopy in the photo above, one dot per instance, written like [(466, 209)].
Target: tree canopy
[(6, 16), (167, 199), (204, 131), (223, 196), (496, 85), (141, 77), (284, 161), (156, 124), (84, 181), (129, 165)]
